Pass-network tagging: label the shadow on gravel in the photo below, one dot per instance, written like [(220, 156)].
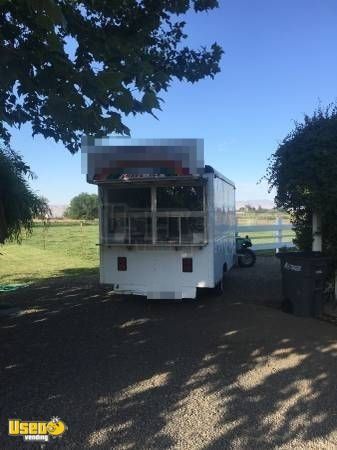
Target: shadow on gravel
[(71, 272), (125, 373)]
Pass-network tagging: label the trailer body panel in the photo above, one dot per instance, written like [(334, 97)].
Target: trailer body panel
[(162, 236)]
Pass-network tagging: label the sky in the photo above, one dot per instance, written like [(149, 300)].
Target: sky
[(280, 62)]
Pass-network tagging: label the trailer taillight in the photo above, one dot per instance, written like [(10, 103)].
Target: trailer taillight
[(122, 264), (187, 265)]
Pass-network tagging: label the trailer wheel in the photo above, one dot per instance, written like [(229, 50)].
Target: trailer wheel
[(247, 258)]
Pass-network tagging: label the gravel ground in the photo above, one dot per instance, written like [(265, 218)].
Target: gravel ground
[(123, 373)]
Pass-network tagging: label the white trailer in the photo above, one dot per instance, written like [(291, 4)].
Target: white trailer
[(167, 221)]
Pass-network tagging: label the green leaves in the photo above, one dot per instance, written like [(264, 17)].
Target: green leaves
[(124, 102), (73, 68), (304, 171), (150, 101), (201, 5), (19, 205), (48, 9)]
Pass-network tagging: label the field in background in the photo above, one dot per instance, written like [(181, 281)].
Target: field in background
[(67, 248), (62, 248), (265, 218)]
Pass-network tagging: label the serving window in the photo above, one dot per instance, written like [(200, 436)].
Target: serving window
[(130, 199), (154, 215), (180, 198)]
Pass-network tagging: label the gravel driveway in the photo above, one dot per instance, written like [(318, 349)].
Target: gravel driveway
[(123, 373)]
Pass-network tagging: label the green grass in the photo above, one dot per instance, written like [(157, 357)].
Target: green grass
[(268, 237), (58, 250)]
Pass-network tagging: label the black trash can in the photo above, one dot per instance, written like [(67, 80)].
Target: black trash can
[(303, 281)]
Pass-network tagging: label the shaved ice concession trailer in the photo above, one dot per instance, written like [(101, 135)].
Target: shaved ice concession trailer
[(167, 221)]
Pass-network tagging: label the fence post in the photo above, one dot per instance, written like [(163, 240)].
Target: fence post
[(278, 233), (316, 233), (82, 246)]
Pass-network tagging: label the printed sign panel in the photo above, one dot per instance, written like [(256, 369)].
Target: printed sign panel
[(110, 158)]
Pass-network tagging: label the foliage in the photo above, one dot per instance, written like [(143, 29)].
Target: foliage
[(69, 67), (19, 205), (303, 170), (249, 208), (83, 206)]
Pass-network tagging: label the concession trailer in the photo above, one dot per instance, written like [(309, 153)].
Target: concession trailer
[(167, 221)]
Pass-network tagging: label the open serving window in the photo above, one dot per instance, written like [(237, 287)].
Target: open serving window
[(151, 190), (157, 214)]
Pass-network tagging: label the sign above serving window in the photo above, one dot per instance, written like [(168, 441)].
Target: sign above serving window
[(108, 158)]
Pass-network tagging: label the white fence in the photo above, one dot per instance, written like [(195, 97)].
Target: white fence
[(278, 229)]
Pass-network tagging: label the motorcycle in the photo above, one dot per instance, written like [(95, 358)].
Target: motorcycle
[(246, 256)]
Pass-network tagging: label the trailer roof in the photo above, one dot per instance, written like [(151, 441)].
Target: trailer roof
[(190, 179), (210, 169), (126, 160)]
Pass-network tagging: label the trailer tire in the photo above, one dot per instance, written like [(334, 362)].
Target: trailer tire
[(246, 258)]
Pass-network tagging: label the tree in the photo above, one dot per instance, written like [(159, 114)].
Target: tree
[(70, 68), (19, 205), (83, 206), (250, 208), (303, 170)]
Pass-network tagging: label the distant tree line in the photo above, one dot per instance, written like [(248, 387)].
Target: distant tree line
[(259, 209)]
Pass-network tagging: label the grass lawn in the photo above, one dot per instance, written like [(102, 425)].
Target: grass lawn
[(268, 237), (58, 250)]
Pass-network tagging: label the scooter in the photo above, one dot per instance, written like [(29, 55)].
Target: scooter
[(246, 256)]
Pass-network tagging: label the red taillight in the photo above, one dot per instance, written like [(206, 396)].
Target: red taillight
[(187, 265), (121, 264)]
